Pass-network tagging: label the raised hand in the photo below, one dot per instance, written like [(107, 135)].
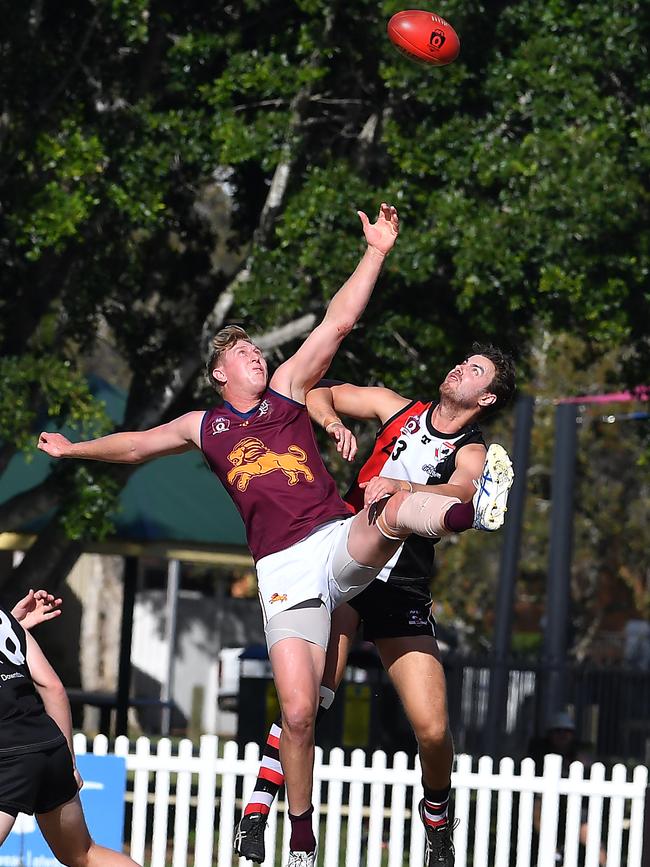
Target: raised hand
[(383, 233), (37, 607)]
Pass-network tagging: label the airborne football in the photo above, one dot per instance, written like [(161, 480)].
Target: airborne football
[(424, 37)]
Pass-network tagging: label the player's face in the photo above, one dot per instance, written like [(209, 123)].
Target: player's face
[(468, 383), (242, 366)]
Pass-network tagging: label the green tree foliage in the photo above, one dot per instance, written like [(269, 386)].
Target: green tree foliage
[(169, 165)]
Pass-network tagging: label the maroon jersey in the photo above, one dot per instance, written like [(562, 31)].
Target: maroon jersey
[(268, 461)]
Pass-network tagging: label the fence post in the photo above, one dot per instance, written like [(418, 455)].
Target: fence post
[(645, 852)]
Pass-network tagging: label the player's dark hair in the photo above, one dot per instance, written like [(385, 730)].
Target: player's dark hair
[(222, 340), (503, 381)]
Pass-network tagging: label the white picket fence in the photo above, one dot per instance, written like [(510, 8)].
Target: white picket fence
[(371, 825)]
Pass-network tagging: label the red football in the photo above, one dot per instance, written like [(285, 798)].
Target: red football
[(424, 36)]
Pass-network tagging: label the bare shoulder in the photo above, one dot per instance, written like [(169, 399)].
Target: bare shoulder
[(189, 426)]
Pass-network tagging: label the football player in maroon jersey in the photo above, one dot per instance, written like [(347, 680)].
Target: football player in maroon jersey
[(418, 444), (310, 554)]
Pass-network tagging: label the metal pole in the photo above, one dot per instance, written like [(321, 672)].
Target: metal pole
[(558, 595), (126, 634), (167, 686), (495, 722)]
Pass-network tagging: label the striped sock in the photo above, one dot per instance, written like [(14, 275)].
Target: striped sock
[(436, 806), (270, 776)]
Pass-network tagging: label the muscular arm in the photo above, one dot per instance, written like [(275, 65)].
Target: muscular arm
[(469, 465), (130, 447), (50, 689), (297, 375), (329, 399)]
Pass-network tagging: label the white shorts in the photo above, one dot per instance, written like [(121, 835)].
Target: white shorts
[(317, 567)]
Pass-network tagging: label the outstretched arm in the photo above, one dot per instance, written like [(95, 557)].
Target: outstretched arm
[(36, 607), (296, 376), (130, 447)]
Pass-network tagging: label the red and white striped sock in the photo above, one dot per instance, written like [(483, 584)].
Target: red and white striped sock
[(269, 777), (436, 807)]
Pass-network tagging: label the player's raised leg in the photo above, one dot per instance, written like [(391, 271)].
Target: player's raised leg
[(431, 515)]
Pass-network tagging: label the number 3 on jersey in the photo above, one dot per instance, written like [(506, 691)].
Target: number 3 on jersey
[(9, 642), (400, 445)]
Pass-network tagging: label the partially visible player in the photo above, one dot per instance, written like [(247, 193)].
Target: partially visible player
[(37, 768), (418, 444)]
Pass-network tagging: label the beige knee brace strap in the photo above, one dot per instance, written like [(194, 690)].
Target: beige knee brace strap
[(420, 513)]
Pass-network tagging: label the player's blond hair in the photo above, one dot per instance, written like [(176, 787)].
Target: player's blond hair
[(223, 340)]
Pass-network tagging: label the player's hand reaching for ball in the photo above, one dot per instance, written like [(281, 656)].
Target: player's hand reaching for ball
[(346, 442), (383, 233)]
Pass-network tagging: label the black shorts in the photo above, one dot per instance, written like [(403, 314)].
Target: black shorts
[(37, 782), (395, 611)]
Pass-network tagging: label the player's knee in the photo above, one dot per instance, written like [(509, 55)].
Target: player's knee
[(392, 507), (298, 718), (434, 735)]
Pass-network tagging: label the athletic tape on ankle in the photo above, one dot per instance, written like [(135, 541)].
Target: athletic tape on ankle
[(326, 697), (424, 514)]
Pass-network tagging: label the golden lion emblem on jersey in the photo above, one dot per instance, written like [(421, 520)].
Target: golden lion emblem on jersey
[(251, 458)]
